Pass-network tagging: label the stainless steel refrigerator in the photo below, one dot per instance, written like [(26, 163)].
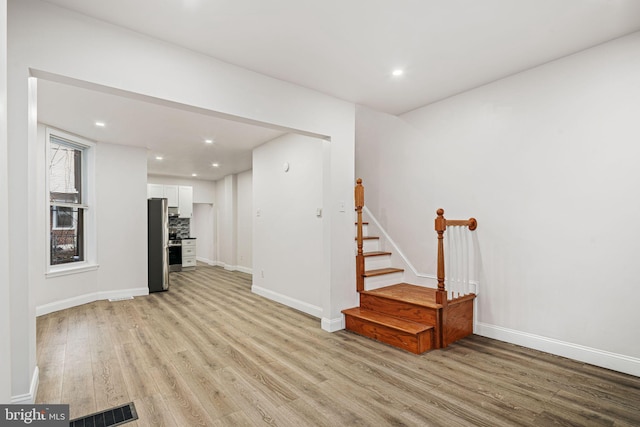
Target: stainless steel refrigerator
[(158, 244)]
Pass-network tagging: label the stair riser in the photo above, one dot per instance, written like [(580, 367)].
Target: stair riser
[(375, 262), (417, 344), (425, 315), (365, 229), (376, 282), (369, 245)]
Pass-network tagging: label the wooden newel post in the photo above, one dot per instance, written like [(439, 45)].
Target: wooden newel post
[(440, 226), (359, 199)]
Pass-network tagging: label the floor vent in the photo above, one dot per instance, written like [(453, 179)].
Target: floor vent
[(110, 417)]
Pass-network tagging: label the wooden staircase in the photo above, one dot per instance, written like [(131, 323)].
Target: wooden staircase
[(385, 315), (413, 318)]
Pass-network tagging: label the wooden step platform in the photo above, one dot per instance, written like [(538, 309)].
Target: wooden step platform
[(407, 316), (405, 334), (405, 292), (381, 271), (375, 253), (410, 302)]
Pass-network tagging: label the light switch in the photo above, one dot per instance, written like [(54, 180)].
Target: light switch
[(319, 212)]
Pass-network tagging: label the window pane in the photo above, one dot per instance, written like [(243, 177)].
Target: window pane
[(63, 217), (66, 235), (65, 172)]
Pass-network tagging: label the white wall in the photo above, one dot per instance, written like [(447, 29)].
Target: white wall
[(244, 212), (22, 182), (219, 223), (122, 218), (121, 232), (203, 191), (287, 233), (49, 41), (203, 226), (546, 160), (233, 223), (5, 301), (233, 245), (227, 222)]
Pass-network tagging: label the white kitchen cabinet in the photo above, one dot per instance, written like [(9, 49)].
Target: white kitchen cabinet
[(155, 191), (171, 194), (178, 196), (185, 205), (188, 254)]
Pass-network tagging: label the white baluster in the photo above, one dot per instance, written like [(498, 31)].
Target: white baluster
[(447, 263), (465, 249)]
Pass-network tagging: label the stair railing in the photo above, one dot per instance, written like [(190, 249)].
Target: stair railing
[(359, 198), (441, 224)]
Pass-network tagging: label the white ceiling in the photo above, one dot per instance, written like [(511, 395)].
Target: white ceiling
[(173, 133), (348, 48)]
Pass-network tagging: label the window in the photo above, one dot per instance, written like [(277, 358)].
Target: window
[(67, 176)]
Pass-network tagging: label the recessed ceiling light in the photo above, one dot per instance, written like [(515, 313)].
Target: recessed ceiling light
[(209, 141), (159, 157), (215, 165), (100, 124), (194, 174), (397, 72)]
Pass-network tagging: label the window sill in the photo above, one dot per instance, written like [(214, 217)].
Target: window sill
[(66, 270)]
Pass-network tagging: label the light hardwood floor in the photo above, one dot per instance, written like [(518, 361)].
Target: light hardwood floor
[(209, 352)]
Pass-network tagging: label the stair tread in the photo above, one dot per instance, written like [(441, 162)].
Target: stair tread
[(381, 271), (376, 253), (363, 223), (405, 292), (397, 323), (369, 238)]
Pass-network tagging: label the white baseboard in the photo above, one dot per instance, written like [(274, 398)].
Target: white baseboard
[(123, 293), (244, 269), (332, 325), (87, 298), (227, 267), (230, 267), (605, 359), (310, 309), (206, 261), (29, 398)]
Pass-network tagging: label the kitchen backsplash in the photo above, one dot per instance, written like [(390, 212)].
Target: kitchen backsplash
[(182, 226)]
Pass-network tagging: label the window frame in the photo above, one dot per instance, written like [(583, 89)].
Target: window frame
[(87, 199)]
